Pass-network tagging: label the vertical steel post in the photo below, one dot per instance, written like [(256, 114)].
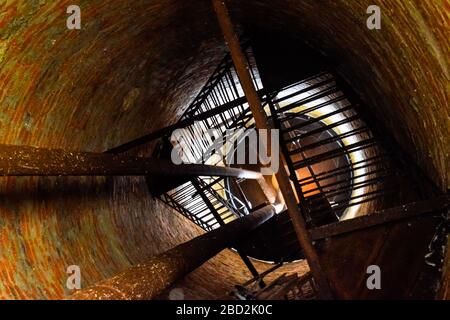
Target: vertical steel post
[(148, 279)]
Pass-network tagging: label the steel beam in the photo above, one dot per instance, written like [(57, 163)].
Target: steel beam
[(261, 121), (148, 279), (30, 161), (261, 276), (169, 129), (180, 124), (248, 263), (381, 217)]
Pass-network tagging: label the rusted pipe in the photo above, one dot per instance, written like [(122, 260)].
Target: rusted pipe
[(30, 161), (148, 279), (242, 69)]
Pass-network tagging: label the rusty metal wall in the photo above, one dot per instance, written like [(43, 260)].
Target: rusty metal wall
[(125, 73)]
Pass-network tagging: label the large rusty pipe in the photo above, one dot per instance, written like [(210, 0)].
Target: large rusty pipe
[(30, 161), (148, 279), (261, 121)]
